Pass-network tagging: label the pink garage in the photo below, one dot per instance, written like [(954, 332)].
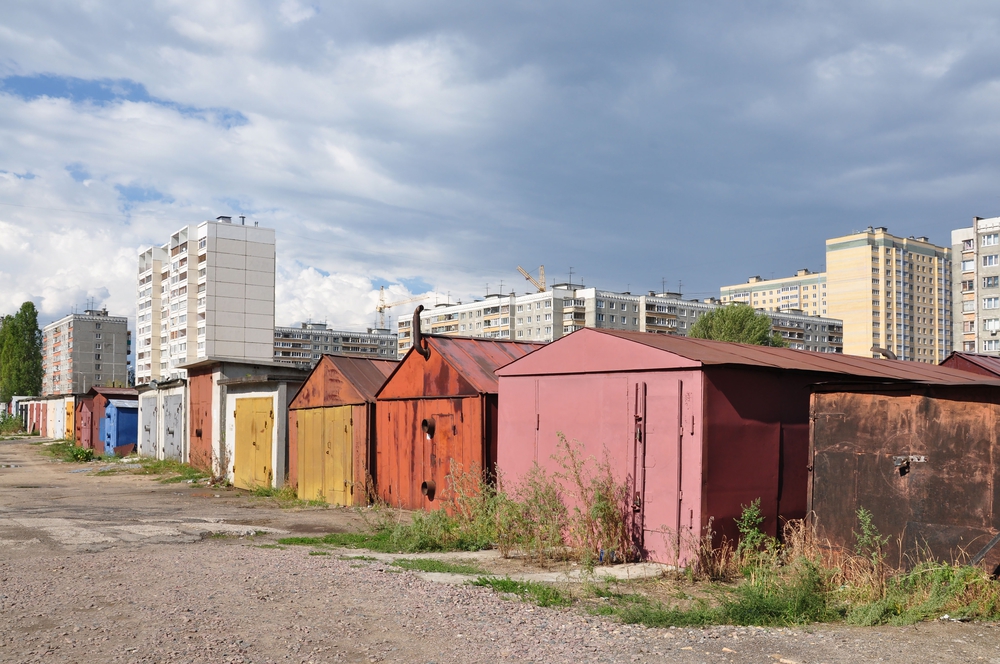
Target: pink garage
[(696, 428)]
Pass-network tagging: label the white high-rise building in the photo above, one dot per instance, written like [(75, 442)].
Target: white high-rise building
[(208, 292)]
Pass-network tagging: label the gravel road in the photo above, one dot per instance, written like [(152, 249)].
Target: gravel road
[(228, 599)]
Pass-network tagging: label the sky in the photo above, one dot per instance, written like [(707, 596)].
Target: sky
[(432, 147)]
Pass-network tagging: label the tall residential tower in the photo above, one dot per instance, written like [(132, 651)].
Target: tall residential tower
[(208, 292)]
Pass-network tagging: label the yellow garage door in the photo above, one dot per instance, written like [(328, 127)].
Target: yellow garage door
[(326, 462), (339, 472), (310, 454), (254, 444), (70, 428)]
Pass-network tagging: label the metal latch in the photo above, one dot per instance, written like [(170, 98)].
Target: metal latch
[(902, 463)]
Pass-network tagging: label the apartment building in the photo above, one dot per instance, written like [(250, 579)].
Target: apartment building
[(549, 315), (207, 292), (80, 351), (892, 293), (805, 292), (976, 286), (304, 345)]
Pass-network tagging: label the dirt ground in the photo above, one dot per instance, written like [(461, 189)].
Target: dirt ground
[(121, 568)]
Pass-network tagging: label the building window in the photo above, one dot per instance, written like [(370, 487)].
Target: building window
[(97, 346), (991, 344), (988, 282), (991, 240), (991, 303), (97, 367), (968, 265), (97, 336), (600, 318), (991, 260), (97, 357)]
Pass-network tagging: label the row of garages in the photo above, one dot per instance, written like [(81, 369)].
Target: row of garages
[(104, 419), (695, 428)]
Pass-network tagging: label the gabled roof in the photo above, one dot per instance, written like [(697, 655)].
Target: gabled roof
[(593, 350), (113, 392), (340, 380), (457, 366), (123, 403), (986, 365)]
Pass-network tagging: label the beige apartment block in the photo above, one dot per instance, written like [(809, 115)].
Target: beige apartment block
[(892, 293), (805, 292), (976, 286), (565, 308), (215, 298), (81, 351)]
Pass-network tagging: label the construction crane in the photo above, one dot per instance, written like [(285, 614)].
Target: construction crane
[(540, 283), (383, 305)]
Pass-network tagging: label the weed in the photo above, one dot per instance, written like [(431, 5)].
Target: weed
[(170, 470), (365, 558), (66, 450), (286, 496), (269, 546), (440, 566), (538, 593), (598, 523), (319, 553)]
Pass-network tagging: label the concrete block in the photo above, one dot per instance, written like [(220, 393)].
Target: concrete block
[(224, 289), (260, 264), (226, 333), (228, 304), (260, 235), (230, 275), (261, 307), (228, 260), (230, 231), (263, 293), (260, 250), (227, 246), (259, 322), (229, 349), (230, 319), (255, 278)]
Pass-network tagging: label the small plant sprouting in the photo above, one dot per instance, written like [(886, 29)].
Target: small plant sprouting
[(869, 542), (752, 538)]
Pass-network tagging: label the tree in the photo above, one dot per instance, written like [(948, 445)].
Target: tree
[(20, 354), (738, 323)]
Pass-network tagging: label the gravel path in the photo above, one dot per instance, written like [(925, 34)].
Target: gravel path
[(122, 569)]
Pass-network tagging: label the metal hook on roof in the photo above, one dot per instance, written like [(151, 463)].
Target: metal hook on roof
[(419, 343)]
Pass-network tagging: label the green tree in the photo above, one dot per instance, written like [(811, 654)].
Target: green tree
[(20, 354), (738, 323)]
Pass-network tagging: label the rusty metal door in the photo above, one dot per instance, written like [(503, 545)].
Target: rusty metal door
[(172, 423), (254, 419), (311, 452), (338, 475), (147, 428)]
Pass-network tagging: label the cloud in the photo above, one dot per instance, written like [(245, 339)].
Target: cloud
[(433, 147)]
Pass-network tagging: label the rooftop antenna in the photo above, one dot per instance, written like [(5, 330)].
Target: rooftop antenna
[(501, 287), (243, 220), (570, 275), (680, 286), (663, 284), (255, 224), (487, 289)]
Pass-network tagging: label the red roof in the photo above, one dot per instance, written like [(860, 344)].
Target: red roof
[(456, 366), (988, 365), (702, 352)]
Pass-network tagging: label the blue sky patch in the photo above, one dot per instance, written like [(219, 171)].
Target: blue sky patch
[(136, 194), (109, 91), (77, 172), (416, 285)]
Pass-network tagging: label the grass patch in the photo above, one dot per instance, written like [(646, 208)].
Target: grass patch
[(66, 450), (170, 470), (529, 591), (441, 566), (269, 546), (319, 553), (365, 558), (285, 497)]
